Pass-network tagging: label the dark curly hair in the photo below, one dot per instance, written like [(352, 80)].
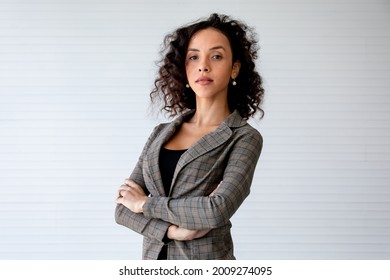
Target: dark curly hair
[(245, 97)]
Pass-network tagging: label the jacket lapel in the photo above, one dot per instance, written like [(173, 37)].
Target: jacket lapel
[(154, 151), (209, 142)]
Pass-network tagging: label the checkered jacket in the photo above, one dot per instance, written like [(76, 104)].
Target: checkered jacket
[(229, 154)]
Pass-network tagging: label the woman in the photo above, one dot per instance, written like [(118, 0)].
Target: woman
[(195, 172)]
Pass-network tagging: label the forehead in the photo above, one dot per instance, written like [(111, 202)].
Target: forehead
[(208, 38)]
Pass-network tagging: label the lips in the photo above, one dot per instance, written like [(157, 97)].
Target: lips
[(203, 81)]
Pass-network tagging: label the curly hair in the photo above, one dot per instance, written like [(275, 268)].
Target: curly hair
[(170, 85)]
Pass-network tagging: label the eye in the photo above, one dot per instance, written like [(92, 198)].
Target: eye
[(192, 57), (217, 57)]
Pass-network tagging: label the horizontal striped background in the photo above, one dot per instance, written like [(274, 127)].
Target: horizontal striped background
[(74, 115)]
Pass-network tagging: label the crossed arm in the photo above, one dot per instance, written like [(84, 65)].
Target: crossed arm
[(132, 196), (191, 217)]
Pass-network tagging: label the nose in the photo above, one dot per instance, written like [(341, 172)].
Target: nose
[(204, 66)]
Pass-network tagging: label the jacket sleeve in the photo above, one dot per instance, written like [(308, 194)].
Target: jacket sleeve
[(212, 212), (147, 226)]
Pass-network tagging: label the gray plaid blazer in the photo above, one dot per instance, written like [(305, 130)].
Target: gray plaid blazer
[(229, 154)]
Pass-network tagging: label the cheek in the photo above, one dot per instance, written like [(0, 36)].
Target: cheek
[(190, 67), (226, 73), (191, 71), (224, 69)]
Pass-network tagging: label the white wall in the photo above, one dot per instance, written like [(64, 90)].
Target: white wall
[(74, 83)]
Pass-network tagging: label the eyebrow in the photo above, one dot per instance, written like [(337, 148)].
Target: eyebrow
[(211, 49)]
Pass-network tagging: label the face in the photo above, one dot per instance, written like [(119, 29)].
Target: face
[(209, 64)]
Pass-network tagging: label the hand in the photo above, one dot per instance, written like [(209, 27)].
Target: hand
[(132, 196), (183, 234)]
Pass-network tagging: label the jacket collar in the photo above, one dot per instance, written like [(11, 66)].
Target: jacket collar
[(235, 120)]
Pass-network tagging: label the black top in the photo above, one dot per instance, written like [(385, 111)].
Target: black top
[(167, 162)]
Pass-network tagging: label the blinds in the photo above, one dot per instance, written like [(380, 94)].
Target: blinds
[(74, 115)]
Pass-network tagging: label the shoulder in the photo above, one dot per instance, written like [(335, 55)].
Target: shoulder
[(167, 128), (247, 142), (177, 121), (242, 129), (248, 134)]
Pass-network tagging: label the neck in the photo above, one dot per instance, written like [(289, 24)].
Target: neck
[(210, 114)]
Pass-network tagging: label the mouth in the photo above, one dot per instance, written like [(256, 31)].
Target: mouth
[(203, 81)]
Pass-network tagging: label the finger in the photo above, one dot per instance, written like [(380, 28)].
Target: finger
[(139, 190), (130, 183), (118, 194), (124, 188), (135, 186), (122, 193)]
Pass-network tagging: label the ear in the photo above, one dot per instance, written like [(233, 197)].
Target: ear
[(236, 69)]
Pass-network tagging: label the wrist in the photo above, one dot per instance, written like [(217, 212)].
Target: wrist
[(141, 205)]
